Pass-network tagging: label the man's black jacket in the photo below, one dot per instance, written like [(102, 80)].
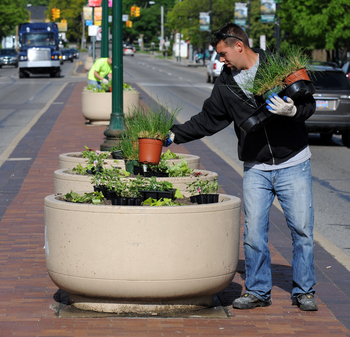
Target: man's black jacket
[(282, 138)]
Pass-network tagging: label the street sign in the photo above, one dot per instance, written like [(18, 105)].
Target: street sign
[(99, 34)]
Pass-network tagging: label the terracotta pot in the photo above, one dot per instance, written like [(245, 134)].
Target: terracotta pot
[(150, 150), (300, 74)]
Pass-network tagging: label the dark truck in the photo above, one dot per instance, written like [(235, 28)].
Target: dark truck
[(39, 52)]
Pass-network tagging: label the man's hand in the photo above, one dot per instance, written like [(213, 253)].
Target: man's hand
[(279, 106), (169, 139), (104, 81)]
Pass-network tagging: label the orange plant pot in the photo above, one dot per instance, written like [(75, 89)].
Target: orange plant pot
[(150, 150), (300, 74)]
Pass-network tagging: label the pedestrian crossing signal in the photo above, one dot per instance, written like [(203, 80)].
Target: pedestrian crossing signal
[(129, 24)]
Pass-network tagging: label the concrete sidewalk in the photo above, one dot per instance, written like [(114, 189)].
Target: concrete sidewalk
[(27, 307)]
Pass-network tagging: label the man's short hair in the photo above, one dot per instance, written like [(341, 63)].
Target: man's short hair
[(230, 28)]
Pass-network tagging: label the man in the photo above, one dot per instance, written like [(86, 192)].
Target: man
[(101, 69), (276, 163)]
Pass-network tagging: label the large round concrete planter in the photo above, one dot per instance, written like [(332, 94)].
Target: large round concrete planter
[(72, 159), (65, 181), (97, 106), (123, 258)]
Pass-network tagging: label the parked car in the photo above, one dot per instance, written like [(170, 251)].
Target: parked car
[(346, 69), (8, 57), (128, 50), (332, 115), (214, 67), (75, 52), (67, 55)]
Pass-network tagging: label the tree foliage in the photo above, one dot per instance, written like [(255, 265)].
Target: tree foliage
[(317, 24), (12, 13), (149, 21), (71, 10)]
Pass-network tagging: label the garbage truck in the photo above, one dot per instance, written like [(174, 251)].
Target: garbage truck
[(39, 49)]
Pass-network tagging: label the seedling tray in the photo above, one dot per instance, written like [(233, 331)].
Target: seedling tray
[(262, 116)]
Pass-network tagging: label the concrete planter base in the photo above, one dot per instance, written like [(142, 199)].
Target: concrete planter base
[(65, 181), (111, 258), (140, 308), (97, 106), (72, 159)]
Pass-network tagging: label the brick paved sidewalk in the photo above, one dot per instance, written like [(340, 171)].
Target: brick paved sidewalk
[(26, 291)]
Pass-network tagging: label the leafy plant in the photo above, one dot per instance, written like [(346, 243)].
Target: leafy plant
[(169, 155), (79, 169), (91, 197), (203, 186), (180, 170), (95, 158), (161, 202)]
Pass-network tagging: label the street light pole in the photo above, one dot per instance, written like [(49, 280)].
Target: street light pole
[(104, 42), (116, 128)]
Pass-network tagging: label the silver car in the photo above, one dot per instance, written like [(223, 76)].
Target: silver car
[(214, 67)]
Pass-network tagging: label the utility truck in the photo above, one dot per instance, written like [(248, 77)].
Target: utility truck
[(39, 49)]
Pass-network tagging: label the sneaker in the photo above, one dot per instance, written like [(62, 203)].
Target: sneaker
[(307, 302), (249, 301)]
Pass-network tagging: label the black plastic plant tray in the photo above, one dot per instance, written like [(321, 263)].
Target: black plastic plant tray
[(124, 201), (205, 198), (158, 194), (262, 116)]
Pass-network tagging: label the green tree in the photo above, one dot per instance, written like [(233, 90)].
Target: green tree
[(12, 13), (222, 12), (148, 23), (38, 2), (71, 10), (318, 24)]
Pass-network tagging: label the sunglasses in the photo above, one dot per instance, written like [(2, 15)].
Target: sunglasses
[(225, 36)]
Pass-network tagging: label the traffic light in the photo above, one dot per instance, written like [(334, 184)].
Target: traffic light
[(137, 11), (56, 13), (132, 11), (53, 12), (129, 24)]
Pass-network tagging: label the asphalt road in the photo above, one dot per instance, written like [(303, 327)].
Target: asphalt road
[(21, 100)]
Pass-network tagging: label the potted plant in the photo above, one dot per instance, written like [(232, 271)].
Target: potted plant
[(285, 76), (151, 127), (141, 259), (204, 191), (96, 103)]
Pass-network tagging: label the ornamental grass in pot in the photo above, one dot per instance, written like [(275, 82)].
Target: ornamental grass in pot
[(151, 127)]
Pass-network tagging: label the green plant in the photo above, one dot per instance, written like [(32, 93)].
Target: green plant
[(79, 169), (169, 155), (161, 202), (150, 123), (95, 158), (180, 170), (105, 87), (91, 197), (203, 186), (271, 74), (129, 149)]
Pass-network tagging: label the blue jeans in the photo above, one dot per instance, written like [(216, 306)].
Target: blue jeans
[(96, 83), (293, 188)]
